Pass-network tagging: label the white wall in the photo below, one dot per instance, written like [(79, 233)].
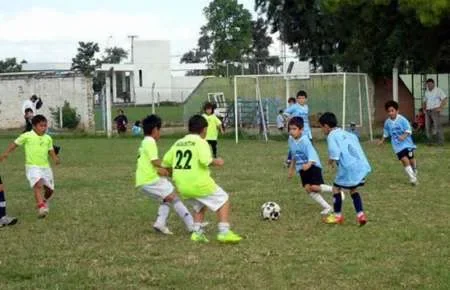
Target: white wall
[(53, 88), (183, 86), (152, 57)]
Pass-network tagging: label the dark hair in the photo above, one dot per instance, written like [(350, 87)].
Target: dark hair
[(297, 122), (430, 81), (392, 104), (291, 100), (27, 110), (209, 105), (421, 110), (120, 111), (302, 93), (151, 122), (281, 111), (137, 123), (329, 119), (38, 119), (196, 124), (34, 97)]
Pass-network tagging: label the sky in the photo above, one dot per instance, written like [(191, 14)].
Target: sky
[(49, 30)]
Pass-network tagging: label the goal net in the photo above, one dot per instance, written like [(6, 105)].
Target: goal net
[(259, 98)]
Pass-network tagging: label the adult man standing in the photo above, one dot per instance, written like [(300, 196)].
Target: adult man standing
[(434, 103)]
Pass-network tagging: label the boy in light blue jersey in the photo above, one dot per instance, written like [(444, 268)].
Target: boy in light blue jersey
[(398, 128), (306, 162), (345, 151)]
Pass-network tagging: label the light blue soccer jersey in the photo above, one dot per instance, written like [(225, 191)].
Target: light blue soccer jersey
[(303, 151), (296, 110), (396, 128), (353, 166)]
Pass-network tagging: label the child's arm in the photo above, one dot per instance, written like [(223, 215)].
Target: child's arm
[(291, 171), (404, 136), (8, 150), (331, 163), (217, 162), (161, 170), (54, 157)]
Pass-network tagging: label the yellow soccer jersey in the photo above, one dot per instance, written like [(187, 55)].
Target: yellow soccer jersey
[(213, 124), (145, 172), (36, 148), (189, 159)]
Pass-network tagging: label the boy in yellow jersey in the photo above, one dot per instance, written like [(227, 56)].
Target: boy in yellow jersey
[(189, 159), (214, 125), (38, 145), (150, 178)]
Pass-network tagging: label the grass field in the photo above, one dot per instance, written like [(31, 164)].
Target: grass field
[(98, 234)]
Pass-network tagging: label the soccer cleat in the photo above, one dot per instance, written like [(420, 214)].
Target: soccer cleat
[(7, 221), (199, 237), (413, 181), (162, 229), (229, 237), (43, 211), (333, 219), (326, 211), (362, 219)]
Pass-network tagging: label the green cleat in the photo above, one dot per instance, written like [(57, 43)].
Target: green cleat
[(229, 237), (199, 237)]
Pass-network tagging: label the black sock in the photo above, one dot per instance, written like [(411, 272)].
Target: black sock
[(337, 203), (2, 204), (357, 202)]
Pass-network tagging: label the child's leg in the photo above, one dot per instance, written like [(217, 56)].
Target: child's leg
[(313, 191), (198, 219), (48, 194), (2, 200), (37, 189), (337, 201), (181, 210), (222, 216), (408, 169), (413, 164), (163, 214), (358, 204), (214, 148)]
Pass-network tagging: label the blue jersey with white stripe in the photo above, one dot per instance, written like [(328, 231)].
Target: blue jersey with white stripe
[(297, 110), (303, 152), (394, 129)]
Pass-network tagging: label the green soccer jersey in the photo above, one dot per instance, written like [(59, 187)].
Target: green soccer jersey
[(213, 123), (145, 172), (189, 159), (36, 148)]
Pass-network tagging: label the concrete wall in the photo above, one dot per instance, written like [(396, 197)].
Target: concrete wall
[(183, 86), (152, 58), (53, 88)]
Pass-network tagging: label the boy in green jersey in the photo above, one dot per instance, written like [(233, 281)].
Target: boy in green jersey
[(38, 145), (189, 159), (151, 178)]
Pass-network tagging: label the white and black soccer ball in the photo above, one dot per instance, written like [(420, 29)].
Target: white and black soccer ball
[(270, 211)]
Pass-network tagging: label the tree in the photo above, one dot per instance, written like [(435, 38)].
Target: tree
[(114, 55), (11, 65), (85, 61), (375, 35)]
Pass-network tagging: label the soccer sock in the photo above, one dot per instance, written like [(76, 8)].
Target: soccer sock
[(197, 227), (163, 214), (319, 199), (410, 172), (357, 203), (2, 204), (326, 188), (337, 203), (223, 228), (183, 213)]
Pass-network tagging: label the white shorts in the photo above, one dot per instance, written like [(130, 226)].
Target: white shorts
[(214, 201), (35, 173), (158, 190)]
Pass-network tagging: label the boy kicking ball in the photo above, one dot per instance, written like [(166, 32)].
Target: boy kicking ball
[(398, 128), (38, 146), (345, 151)]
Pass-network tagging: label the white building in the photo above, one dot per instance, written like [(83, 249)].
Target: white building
[(149, 77)]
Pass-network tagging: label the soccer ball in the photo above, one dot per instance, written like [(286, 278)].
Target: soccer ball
[(270, 211)]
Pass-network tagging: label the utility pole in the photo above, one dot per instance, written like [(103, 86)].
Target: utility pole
[(132, 37)]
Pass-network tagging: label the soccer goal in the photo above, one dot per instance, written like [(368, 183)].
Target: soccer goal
[(344, 94)]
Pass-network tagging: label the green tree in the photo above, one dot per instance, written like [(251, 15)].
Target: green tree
[(85, 60), (11, 65), (114, 55)]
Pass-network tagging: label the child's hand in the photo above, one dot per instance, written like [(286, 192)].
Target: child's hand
[(306, 166), (218, 162), (291, 173), (402, 137), (57, 161), (3, 157), (163, 172)]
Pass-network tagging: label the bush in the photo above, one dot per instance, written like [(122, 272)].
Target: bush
[(70, 117)]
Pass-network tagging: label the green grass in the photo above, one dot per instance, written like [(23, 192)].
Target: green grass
[(169, 114), (98, 234)]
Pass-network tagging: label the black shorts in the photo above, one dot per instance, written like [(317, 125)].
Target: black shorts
[(362, 183), (407, 152), (313, 176)]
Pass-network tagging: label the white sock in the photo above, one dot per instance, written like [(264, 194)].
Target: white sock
[(163, 214), (183, 213), (410, 172), (326, 188), (223, 228), (197, 227), (319, 199)]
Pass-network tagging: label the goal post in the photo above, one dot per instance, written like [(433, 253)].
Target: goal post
[(345, 94)]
